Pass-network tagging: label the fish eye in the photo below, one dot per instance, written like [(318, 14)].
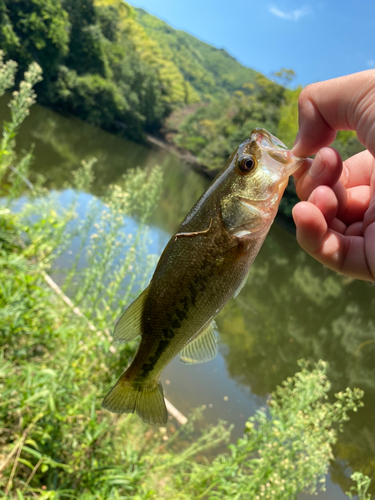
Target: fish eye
[(247, 164)]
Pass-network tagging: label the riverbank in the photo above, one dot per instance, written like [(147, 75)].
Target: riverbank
[(185, 156), (57, 440)]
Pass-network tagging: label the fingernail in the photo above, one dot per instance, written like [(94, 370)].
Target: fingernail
[(317, 166)]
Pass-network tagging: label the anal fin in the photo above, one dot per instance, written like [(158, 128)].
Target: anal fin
[(203, 348), (128, 327)]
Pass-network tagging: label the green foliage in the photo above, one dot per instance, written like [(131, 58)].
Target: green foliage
[(7, 74), (84, 177), (103, 80), (10, 232), (213, 132), (210, 71), (85, 48), (124, 70), (347, 144), (66, 443), (287, 128), (68, 446), (361, 487), (286, 449), (19, 105), (34, 30), (91, 96), (115, 66), (109, 280), (8, 39), (292, 307), (61, 443)]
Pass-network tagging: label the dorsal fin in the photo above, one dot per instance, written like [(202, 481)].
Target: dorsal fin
[(128, 327), (201, 349)]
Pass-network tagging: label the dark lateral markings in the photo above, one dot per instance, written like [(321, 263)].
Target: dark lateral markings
[(169, 332), (181, 314), (168, 335), (148, 367)]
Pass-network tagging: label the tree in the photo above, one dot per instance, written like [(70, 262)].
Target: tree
[(34, 30), (85, 47)]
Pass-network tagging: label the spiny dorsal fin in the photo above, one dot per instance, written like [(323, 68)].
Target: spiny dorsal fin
[(201, 349), (128, 327)]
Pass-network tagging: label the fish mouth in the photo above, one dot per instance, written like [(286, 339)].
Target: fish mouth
[(277, 150)]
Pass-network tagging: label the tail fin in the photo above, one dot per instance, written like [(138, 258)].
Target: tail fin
[(147, 402)]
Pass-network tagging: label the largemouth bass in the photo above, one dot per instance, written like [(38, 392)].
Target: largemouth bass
[(205, 263)]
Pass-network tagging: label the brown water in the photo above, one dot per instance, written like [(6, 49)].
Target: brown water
[(291, 307)]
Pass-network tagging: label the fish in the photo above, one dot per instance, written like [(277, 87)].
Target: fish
[(205, 264)]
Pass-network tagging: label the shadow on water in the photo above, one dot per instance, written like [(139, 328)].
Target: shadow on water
[(291, 307)]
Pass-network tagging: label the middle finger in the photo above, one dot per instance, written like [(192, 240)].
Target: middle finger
[(325, 170)]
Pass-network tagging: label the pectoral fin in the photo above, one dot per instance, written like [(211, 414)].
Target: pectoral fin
[(243, 283), (201, 349), (128, 327)]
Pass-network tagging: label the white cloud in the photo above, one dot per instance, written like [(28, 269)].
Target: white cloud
[(293, 15), (371, 63)]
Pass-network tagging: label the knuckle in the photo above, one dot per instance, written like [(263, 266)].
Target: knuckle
[(308, 93)]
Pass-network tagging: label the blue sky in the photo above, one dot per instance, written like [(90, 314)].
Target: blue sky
[(318, 40)]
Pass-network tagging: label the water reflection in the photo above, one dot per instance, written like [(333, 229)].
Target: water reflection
[(291, 307), (61, 143)]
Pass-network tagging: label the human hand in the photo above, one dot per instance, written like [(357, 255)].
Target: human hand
[(336, 219)]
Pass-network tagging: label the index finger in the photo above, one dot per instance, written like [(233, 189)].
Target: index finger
[(345, 103)]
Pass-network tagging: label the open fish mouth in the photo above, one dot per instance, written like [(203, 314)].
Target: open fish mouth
[(276, 150)]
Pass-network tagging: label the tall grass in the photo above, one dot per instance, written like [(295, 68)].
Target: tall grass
[(55, 440)]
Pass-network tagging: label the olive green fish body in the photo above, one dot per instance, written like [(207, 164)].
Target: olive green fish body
[(202, 267), (179, 306)]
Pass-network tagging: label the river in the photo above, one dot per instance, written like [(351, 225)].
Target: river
[(291, 308)]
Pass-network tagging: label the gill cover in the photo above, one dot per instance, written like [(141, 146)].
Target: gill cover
[(259, 173)]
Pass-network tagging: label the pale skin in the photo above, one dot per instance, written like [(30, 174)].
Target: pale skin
[(336, 218)]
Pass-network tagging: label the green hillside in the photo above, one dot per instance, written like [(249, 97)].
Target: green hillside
[(212, 72), (113, 65)]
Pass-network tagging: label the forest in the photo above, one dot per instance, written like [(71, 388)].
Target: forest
[(128, 72), (125, 70), (100, 63)]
